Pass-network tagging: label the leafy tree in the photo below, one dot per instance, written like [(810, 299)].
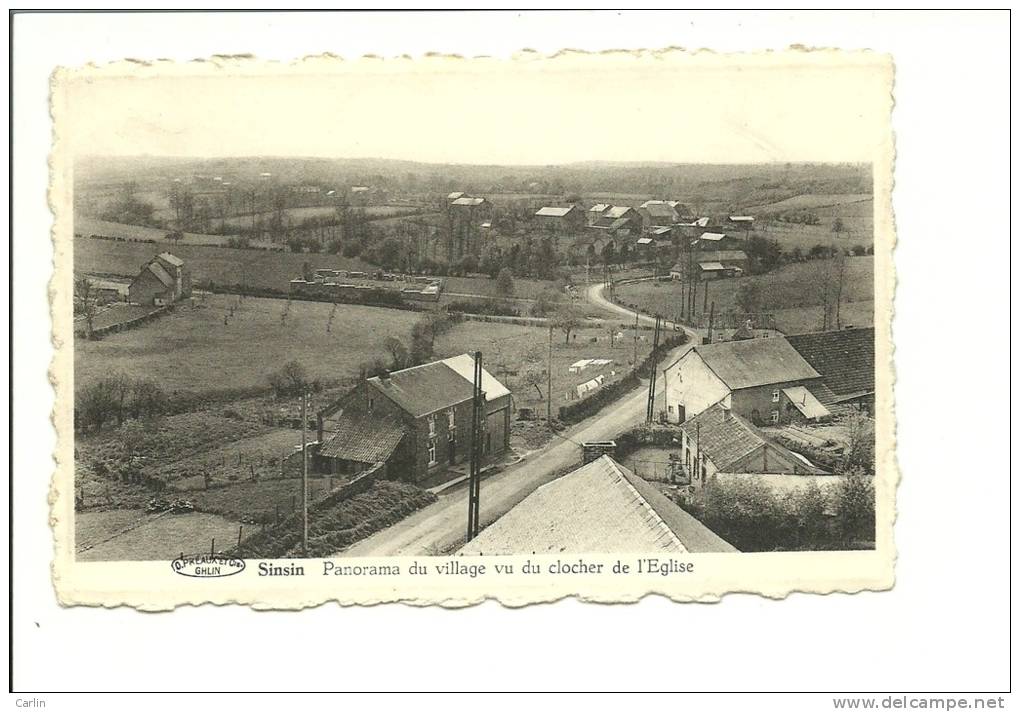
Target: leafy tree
[(838, 227), (505, 283), (860, 452), (148, 400), (399, 357), (290, 380), (567, 319), (855, 508), (749, 296), (94, 405), (764, 254)]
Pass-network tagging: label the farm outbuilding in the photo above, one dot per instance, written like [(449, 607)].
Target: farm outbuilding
[(162, 280)]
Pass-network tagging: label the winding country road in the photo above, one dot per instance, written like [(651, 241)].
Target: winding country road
[(440, 527)]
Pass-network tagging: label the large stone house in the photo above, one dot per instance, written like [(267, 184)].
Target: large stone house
[(764, 380), (416, 421), (162, 280)]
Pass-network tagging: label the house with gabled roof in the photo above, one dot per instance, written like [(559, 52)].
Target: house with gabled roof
[(162, 280), (563, 219), (717, 440), (599, 507), (658, 213), (751, 377), (417, 421)]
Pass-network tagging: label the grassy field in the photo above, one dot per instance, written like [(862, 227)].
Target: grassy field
[(787, 292), (525, 349), (222, 265), (86, 226), (853, 209), (160, 538), (192, 350)]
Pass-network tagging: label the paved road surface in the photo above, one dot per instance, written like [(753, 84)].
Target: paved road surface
[(440, 527)]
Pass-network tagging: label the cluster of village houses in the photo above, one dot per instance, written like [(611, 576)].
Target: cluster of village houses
[(415, 425), (653, 228)]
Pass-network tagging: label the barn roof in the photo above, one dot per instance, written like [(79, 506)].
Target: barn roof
[(363, 438), (845, 358), (757, 362), (659, 209), (468, 202), (161, 274), (711, 266), (600, 506), (598, 208), (712, 236), (617, 211), (723, 256), (551, 212), (172, 259)]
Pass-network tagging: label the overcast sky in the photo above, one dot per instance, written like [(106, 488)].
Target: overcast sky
[(706, 108)]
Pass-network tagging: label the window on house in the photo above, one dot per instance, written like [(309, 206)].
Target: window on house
[(432, 452), (775, 396), (371, 404), (774, 417), (451, 418), (671, 410), (432, 424)]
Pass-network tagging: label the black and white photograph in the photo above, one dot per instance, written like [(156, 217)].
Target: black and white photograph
[(612, 344), (510, 350)]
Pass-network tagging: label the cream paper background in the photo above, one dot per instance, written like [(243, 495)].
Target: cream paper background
[(837, 79)]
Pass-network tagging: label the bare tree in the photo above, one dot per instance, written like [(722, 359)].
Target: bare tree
[(85, 302)]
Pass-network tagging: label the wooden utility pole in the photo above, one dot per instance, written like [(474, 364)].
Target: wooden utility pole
[(548, 387), (475, 475), (635, 338), (704, 303), (304, 476), (711, 320), (650, 412)]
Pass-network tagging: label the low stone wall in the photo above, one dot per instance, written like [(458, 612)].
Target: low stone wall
[(131, 323)]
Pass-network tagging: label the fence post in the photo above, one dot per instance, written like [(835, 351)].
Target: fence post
[(212, 548), (239, 530)]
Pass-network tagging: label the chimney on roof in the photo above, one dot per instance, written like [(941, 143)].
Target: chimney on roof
[(727, 411)]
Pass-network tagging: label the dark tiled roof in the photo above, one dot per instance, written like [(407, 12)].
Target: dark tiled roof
[(846, 358), (363, 438), (756, 362), (822, 392), (724, 438), (424, 389)]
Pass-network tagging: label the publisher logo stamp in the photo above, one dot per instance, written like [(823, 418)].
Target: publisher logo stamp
[(206, 565)]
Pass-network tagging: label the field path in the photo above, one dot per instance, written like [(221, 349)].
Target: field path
[(440, 527)]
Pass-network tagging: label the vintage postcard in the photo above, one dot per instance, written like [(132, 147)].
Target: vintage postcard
[(439, 330)]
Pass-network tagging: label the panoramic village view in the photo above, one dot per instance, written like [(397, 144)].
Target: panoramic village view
[(283, 357)]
